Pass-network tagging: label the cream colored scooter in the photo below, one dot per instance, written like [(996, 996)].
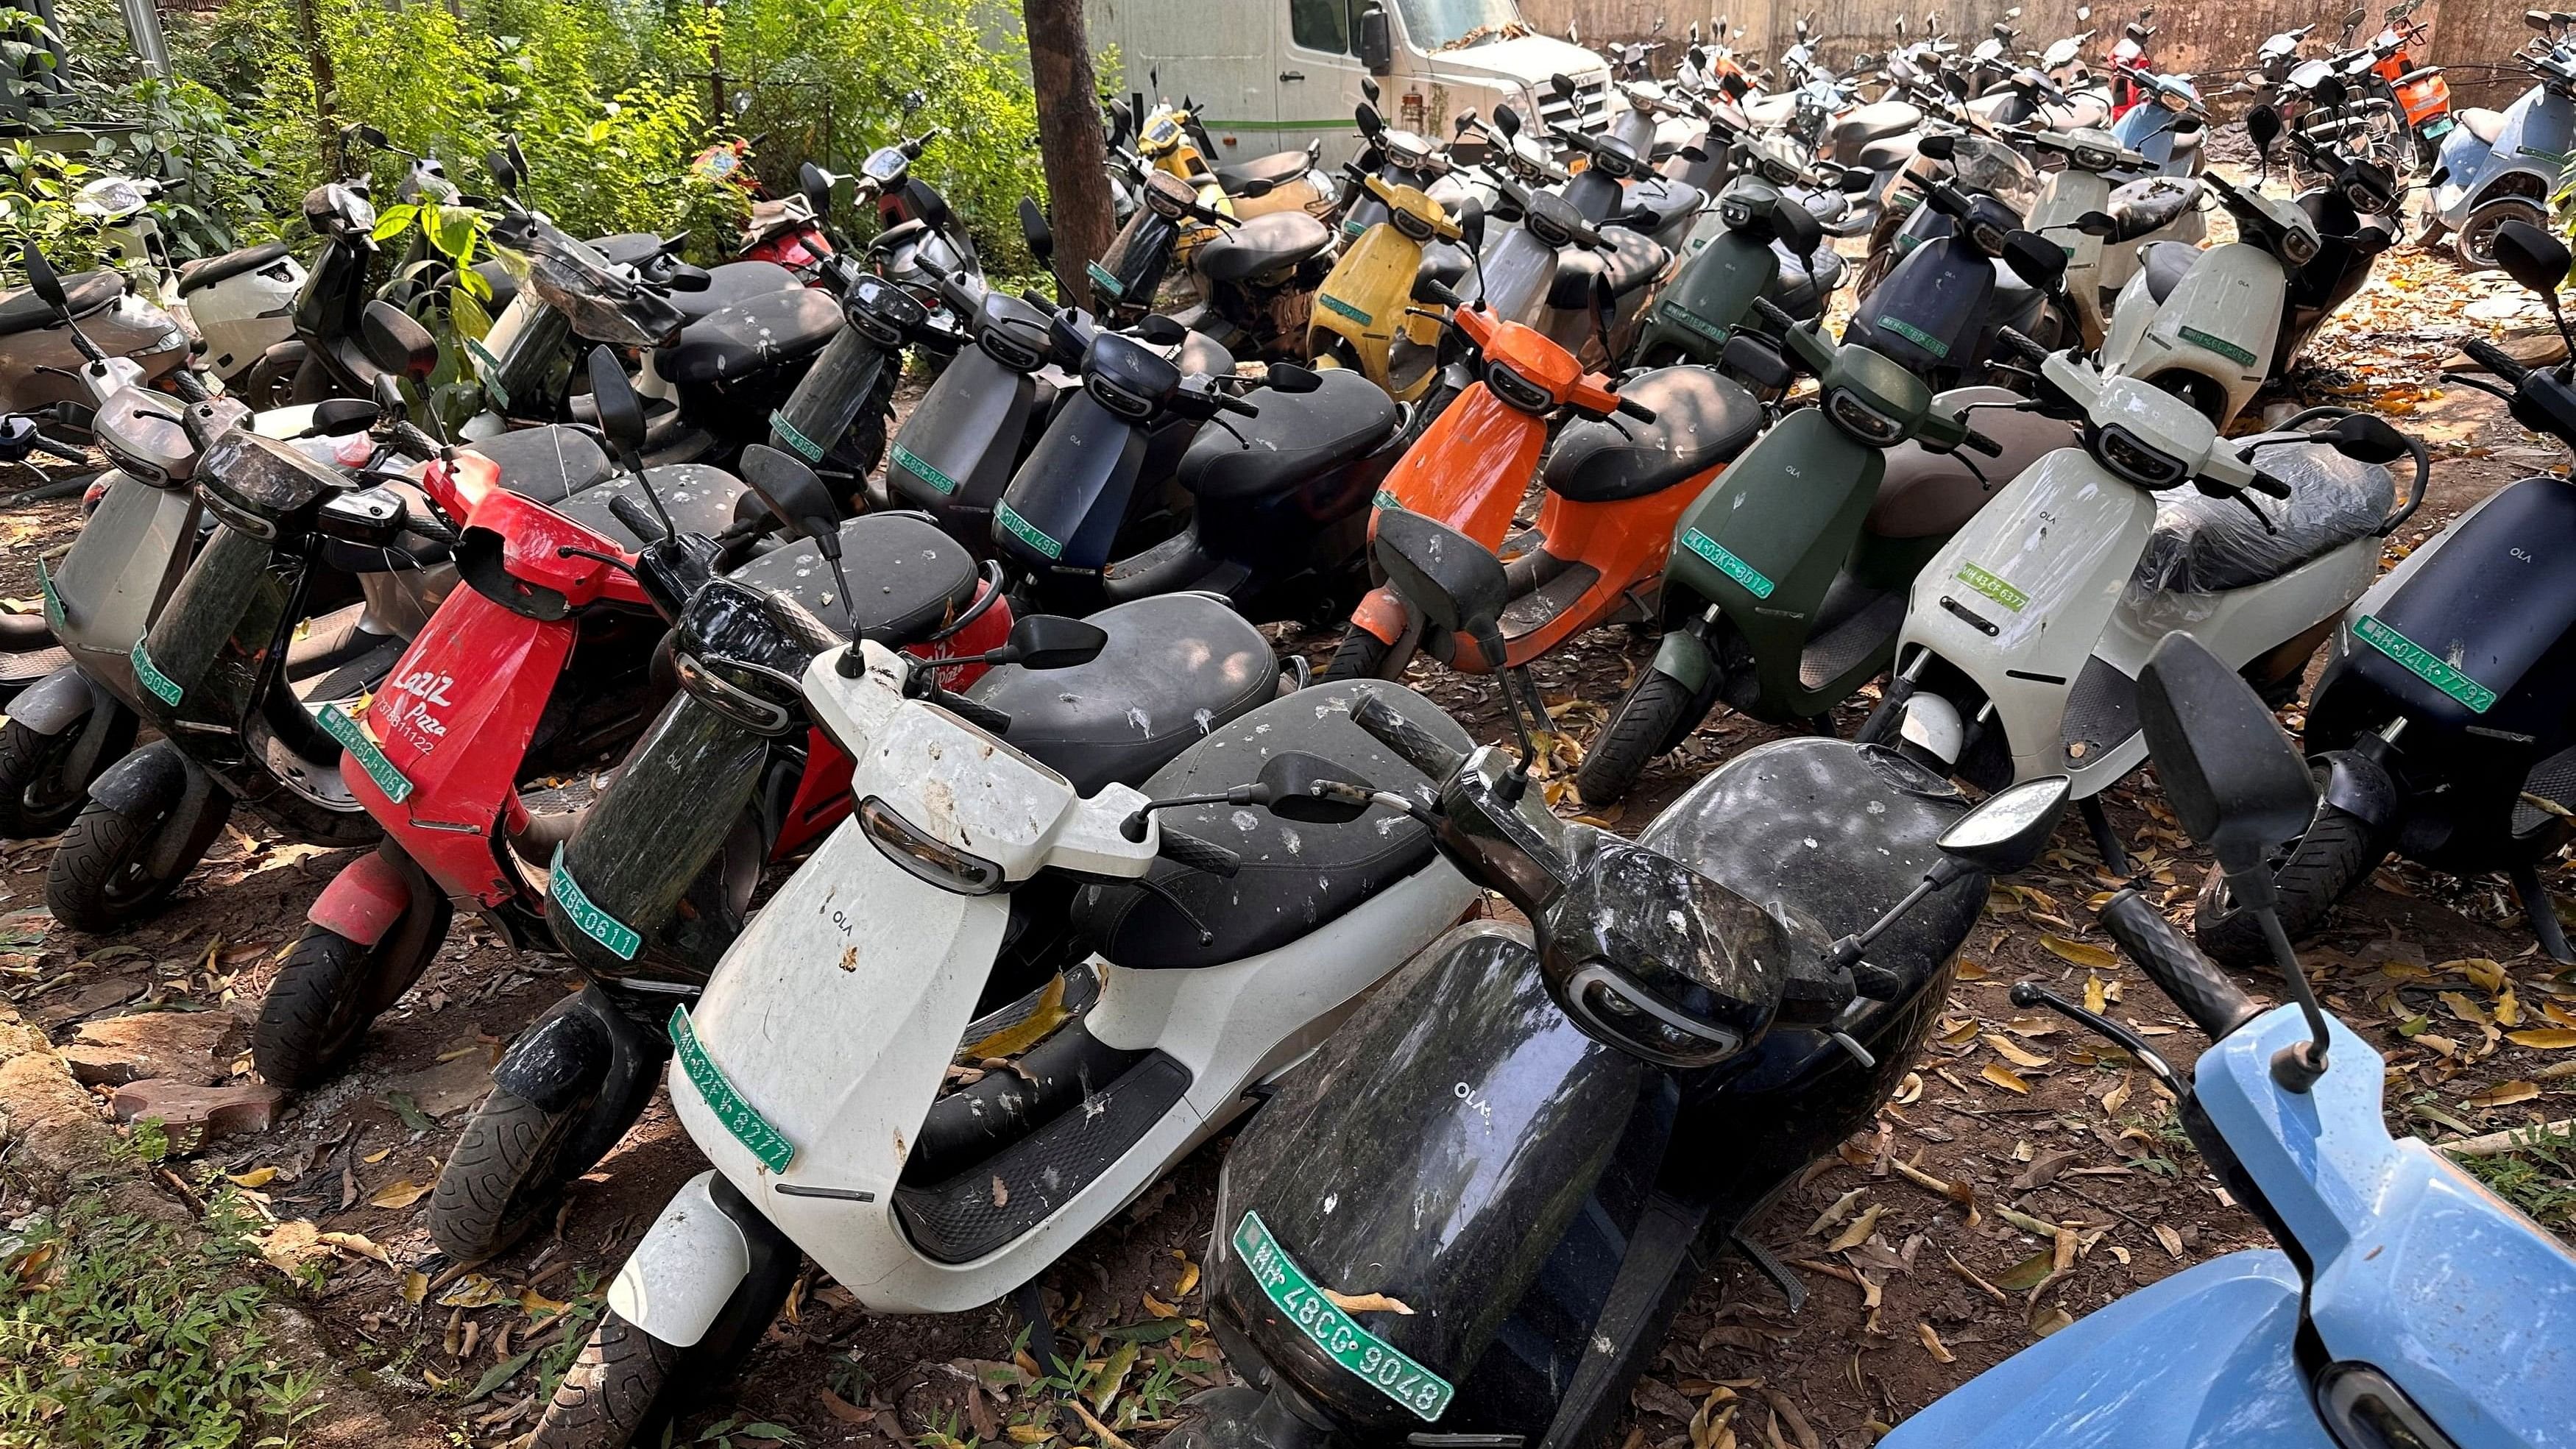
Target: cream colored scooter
[(2205, 324), (2025, 634), (2144, 212)]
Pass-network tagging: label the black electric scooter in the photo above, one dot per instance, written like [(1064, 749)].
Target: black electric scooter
[(2445, 728), (1939, 310), (1537, 1141)]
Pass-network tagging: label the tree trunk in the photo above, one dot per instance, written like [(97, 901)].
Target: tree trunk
[(1070, 141)]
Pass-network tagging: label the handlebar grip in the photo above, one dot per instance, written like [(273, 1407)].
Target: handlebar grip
[(1769, 311), (1981, 443), (1192, 853), (2266, 483), (2020, 344), (2495, 359), (639, 520), (1637, 410), (1412, 744), (1234, 404), (982, 716), (2204, 993)]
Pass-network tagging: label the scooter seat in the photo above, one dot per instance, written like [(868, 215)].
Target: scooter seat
[(907, 576), (1265, 243), (2204, 545), (1802, 294), (731, 285), (2165, 264), (1633, 260), (1176, 667), (1827, 206), (2151, 204), (628, 248), (2480, 122), (547, 464), (1863, 124), (21, 310), (1298, 437), (750, 337), (1278, 168), (1771, 112), (1925, 494), (701, 500), (1888, 153), (1295, 877), (1666, 198), (1701, 420), (198, 275)]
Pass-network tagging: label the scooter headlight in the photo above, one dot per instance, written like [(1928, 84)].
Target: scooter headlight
[(1861, 420), (924, 857), (2298, 248), (1517, 390), (1613, 1009), (2120, 451), (1735, 212), (2094, 158), (758, 698)]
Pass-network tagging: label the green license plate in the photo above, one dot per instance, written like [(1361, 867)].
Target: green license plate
[(747, 1125), (1754, 580), (618, 937), (913, 464), (1106, 280), (2219, 345), (1992, 587), (338, 725), (53, 600), (1384, 1367), (788, 432), (163, 687), (2426, 665), (1336, 305)]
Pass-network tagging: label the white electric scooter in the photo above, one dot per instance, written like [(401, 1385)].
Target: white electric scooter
[(239, 304), (819, 1071), (2024, 636), (2146, 210)]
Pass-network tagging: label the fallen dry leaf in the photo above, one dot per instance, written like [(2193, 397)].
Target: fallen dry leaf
[(2004, 1047), (2505, 1094), (1933, 1345), (2004, 1077), (415, 1287), (401, 1194), (2079, 952), (1841, 1210), (256, 1177), (2545, 1039), (474, 1290), (1859, 1230), (2049, 1320), (1367, 1303), (2170, 1240)]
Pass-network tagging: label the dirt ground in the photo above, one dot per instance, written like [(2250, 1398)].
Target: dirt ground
[(2025, 1175)]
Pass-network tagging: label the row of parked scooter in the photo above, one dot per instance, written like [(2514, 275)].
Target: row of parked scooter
[(1140, 877)]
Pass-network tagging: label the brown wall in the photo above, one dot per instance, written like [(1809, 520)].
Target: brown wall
[(2211, 40)]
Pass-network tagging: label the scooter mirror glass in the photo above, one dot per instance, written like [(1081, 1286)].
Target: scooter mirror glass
[(1563, 85), (2329, 93), (1471, 224), (503, 175), (1369, 89), (1252, 190), (373, 137), (621, 412), (815, 185), (1736, 86), (1940, 146), (2237, 783), (1161, 331), (1466, 122), (1288, 377), (396, 343), (518, 158), (1854, 181), (2263, 124), (1035, 231), (2097, 223), (2035, 259), (1449, 576), (2366, 439), (40, 276), (1312, 791), (1050, 641), (2536, 19), (2531, 256), (1507, 121), (2008, 830), (788, 488), (335, 416)]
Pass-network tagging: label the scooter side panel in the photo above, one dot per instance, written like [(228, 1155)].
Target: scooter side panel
[(1066, 503), (1362, 300), (1706, 300), (956, 450), (2204, 1359), (1469, 468), (2221, 320), (129, 555)]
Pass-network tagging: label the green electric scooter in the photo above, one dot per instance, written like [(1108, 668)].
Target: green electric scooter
[(1787, 581), (1767, 245)]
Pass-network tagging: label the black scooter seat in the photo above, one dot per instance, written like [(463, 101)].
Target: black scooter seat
[(1633, 261), (731, 285), (21, 310), (701, 500), (909, 578), (1871, 122), (1295, 878), (1442, 263), (547, 464), (1297, 437), (1176, 667), (1278, 168), (1701, 420), (751, 336), (2204, 545), (2166, 263), (2151, 203), (1802, 293), (2482, 123), (1278, 239), (198, 275)]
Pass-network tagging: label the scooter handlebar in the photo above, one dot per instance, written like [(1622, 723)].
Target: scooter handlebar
[(2266, 483), (1637, 410), (1770, 311), (639, 520), (1412, 744), (2496, 360), (2214, 1003), (1981, 443), (1192, 853), (982, 716)]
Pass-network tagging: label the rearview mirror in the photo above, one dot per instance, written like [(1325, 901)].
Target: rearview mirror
[(2365, 438), (1376, 43), (395, 342), (2535, 258), (2008, 829), (1288, 377), (1370, 123), (1035, 231), (40, 277), (374, 137), (2236, 782), (1564, 86), (1940, 146), (2035, 259), (1310, 790), (1855, 181), (1507, 121), (1050, 641), (1450, 577), (788, 488), (815, 185), (1471, 224), (504, 175), (621, 412), (335, 416), (2263, 124), (2098, 223)]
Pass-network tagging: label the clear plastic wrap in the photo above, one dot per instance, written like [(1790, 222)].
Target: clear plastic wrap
[(2205, 545)]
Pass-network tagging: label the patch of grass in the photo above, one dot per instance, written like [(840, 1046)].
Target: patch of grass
[(115, 1332), (2538, 1176)]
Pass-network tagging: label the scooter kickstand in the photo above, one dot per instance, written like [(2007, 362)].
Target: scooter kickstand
[(2543, 915), (2115, 858), (1791, 1287), (1029, 1301)]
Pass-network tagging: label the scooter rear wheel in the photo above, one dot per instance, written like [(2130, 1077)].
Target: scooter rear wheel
[(2475, 244), (2312, 874), (1650, 721), (329, 989), (501, 1177), (38, 793), (102, 875)]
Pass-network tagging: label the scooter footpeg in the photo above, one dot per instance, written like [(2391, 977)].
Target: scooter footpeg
[(1781, 1274)]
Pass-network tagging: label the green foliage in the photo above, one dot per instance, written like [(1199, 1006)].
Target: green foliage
[(114, 1332), (2538, 1176)]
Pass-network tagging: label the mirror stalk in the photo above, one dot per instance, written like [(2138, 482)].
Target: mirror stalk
[(2027, 994)]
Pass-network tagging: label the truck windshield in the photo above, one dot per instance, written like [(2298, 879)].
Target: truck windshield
[(1434, 25)]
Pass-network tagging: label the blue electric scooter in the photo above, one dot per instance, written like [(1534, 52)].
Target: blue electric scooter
[(2166, 126), (2406, 1307), (2503, 166)]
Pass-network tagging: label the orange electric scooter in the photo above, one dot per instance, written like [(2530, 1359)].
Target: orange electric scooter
[(1618, 477)]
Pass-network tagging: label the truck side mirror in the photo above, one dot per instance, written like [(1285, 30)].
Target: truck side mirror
[(1376, 41)]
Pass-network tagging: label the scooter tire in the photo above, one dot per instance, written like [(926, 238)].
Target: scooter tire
[(2474, 245), (505, 1171), (2312, 874), (101, 877), (329, 989), (1646, 724), (620, 1390), (38, 796), (1360, 655)]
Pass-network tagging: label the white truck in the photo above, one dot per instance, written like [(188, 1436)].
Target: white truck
[(1271, 75)]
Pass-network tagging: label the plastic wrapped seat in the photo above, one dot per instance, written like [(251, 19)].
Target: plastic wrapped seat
[(2205, 545)]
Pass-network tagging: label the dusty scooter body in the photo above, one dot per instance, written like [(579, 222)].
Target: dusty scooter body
[(1767, 245), (1364, 306), (2093, 177), (2504, 167), (1540, 1138)]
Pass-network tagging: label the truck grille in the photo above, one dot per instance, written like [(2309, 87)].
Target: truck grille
[(1589, 109)]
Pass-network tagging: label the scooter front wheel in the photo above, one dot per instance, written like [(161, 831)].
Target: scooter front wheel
[(329, 989), (39, 791), (1650, 721), (2312, 874), (627, 1384), (104, 875), (502, 1176), (2475, 244)]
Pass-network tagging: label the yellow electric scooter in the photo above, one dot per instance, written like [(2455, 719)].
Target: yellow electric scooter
[(1364, 317)]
